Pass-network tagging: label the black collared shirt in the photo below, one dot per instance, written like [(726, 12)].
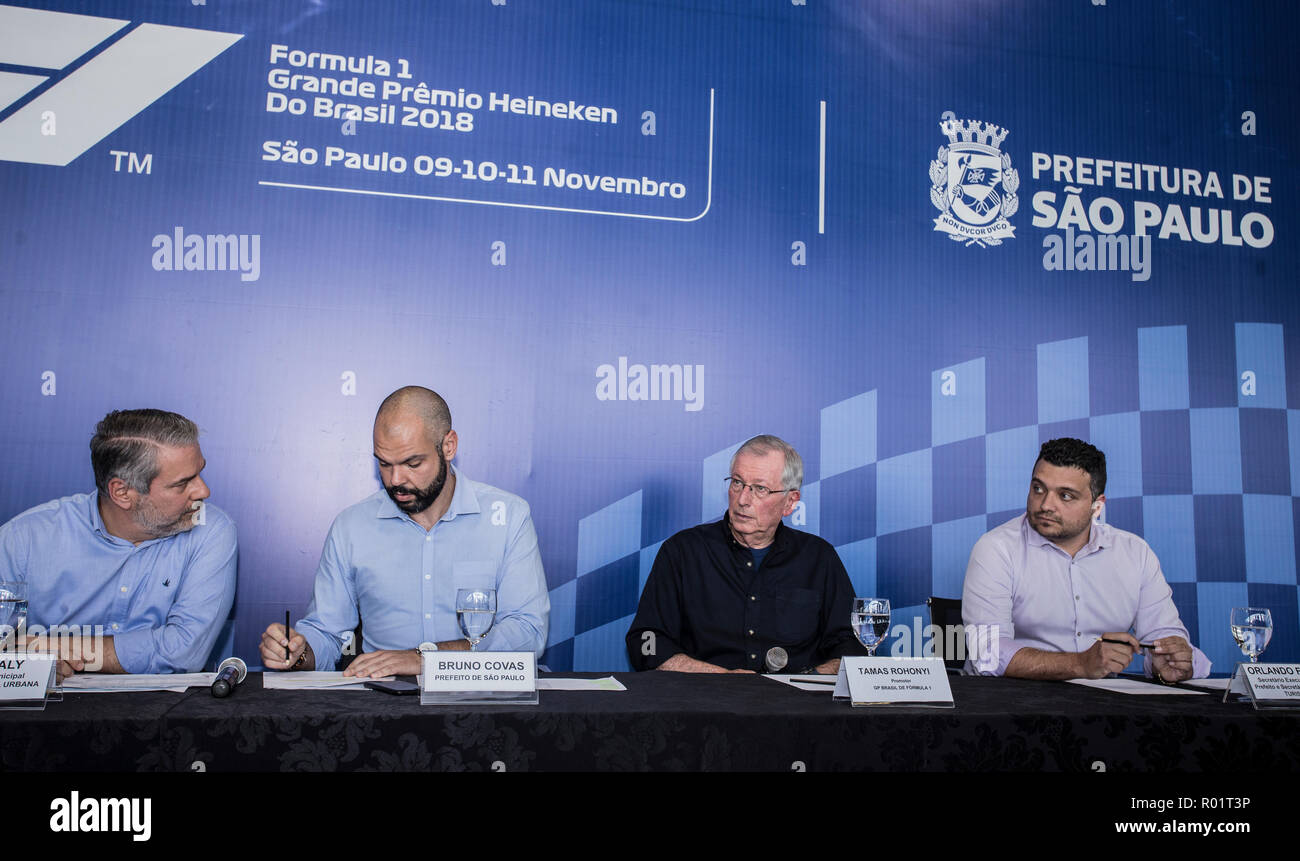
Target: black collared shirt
[(705, 599)]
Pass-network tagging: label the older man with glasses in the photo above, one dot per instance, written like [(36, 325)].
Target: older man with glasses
[(747, 594)]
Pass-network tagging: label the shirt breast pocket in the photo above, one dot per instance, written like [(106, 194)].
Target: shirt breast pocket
[(797, 615)]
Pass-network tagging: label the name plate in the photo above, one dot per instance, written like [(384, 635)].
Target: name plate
[(894, 682), (466, 678), (25, 679), (1269, 686)]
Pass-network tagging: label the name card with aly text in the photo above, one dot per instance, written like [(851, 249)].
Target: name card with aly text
[(894, 681), (24, 679), (478, 677)]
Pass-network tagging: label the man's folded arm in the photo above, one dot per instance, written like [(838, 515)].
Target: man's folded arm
[(523, 602), (837, 638), (1157, 617), (654, 635), (332, 613), (205, 593), (986, 611)]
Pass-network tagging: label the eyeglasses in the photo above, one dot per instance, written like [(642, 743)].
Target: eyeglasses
[(735, 485)]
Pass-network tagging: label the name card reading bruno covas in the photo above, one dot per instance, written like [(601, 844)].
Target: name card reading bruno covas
[(470, 677), (894, 681), (1270, 686)]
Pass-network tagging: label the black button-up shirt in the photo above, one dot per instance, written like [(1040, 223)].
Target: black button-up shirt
[(706, 598)]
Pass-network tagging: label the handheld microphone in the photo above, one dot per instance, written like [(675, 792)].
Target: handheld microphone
[(776, 659), (231, 672)]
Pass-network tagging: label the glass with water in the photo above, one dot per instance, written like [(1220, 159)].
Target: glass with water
[(870, 621), (476, 610), (13, 613), (1252, 628)]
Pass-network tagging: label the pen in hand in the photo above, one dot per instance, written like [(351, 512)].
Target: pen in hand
[(1126, 643), (286, 636)]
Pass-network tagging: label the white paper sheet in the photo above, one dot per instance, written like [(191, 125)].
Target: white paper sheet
[(101, 683), (609, 683), (317, 680), (1133, 686), (811, 682)]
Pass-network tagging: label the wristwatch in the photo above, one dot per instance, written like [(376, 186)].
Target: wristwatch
[(426, 647)]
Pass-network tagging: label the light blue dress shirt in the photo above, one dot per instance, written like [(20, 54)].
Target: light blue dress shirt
[(1022, 590), (163, 601), (399, 580)]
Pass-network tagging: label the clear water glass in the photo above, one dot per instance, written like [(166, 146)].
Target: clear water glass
[(476, 610), (870, 621)]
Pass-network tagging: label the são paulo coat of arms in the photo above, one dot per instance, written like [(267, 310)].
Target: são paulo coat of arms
[(973, 184)]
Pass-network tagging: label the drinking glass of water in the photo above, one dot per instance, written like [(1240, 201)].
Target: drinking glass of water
[(476, 610), (13, 613), (870, 621), (1252, 628)]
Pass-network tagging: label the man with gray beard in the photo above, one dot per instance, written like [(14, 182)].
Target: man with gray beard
[(143, 558)]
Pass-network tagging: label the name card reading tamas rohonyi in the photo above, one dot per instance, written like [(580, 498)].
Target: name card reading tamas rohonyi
[(469, 677), (893, 681)]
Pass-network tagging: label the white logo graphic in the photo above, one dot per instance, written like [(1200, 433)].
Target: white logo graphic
[(964, 184), (132, 815), (100, 94), (653, 383)]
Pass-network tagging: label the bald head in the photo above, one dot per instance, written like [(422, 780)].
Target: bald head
[(418, 403)]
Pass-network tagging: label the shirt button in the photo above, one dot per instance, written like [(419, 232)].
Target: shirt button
[(749, 564), (428, 538), (751, 632), (428, 615), (752, 598), (753, 656), (1076, 597), (123, 588), (114, 626), (428, 576), (1077, 634)]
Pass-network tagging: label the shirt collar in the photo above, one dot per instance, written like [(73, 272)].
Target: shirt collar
[(92, 514), (463, 501), (97, 525), (1099, 537), (778, 540)]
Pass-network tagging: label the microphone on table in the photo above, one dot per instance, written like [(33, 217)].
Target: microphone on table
[(776, 659), (231, 672)]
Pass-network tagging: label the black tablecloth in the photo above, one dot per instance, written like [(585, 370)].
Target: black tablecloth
[(664, 721)]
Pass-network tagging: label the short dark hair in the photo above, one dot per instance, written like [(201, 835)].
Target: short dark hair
[(125, 445), (1068, 451)]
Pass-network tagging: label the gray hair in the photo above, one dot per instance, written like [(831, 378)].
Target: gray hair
[(791, 475), (125, 445)]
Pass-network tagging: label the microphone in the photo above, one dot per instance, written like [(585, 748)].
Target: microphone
[(231, 672), (776, 659)]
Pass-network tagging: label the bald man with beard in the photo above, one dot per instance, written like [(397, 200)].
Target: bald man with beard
[(394, 561)]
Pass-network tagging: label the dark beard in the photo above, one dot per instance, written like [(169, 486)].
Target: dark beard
[(422, 498)]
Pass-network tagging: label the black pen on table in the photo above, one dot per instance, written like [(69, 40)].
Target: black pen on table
[(286, 637)]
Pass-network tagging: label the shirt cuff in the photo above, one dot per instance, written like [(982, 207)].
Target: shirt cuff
[(661, 649), (324, 649), (135, 652), (988, 654), (500, 641)]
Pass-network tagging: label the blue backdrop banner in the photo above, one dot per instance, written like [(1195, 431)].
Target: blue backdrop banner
[(914, 239)]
